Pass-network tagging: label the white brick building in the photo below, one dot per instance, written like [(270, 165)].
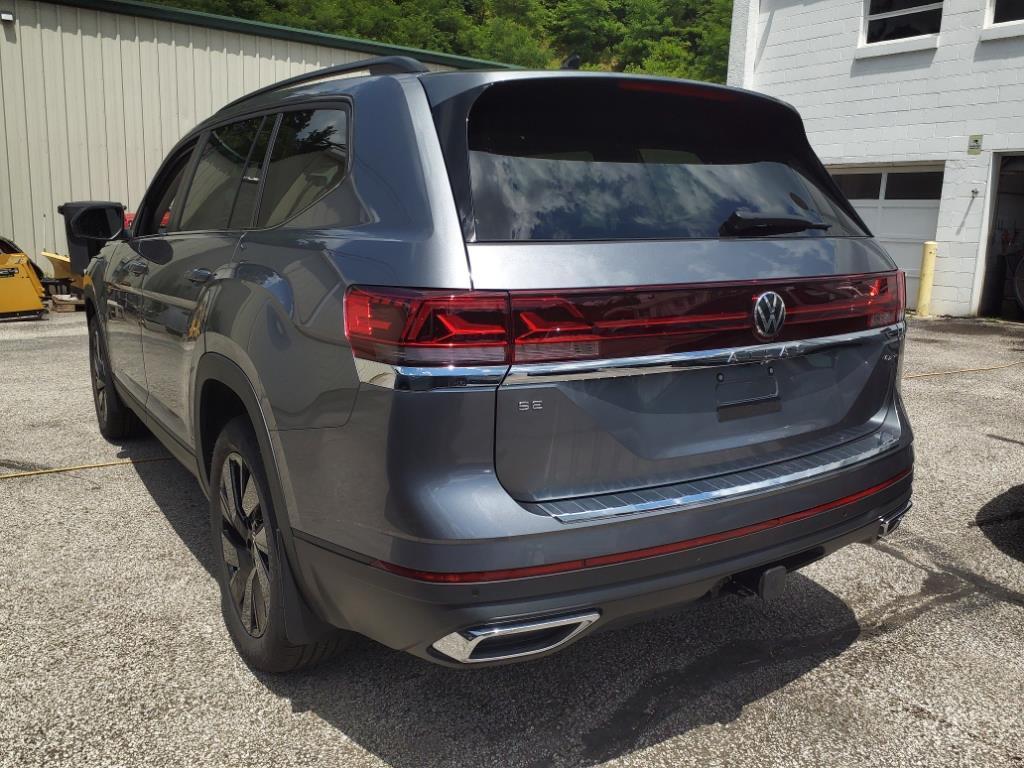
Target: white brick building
[(891, 92)]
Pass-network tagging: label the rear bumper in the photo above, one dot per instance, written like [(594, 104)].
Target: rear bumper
[(411, 614)]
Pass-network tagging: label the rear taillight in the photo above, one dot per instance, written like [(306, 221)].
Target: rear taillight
[(630, 323), (901, 281), (409, 327)]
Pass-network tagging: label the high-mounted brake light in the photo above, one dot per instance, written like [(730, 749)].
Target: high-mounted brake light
[(464, 328), (710, 93)]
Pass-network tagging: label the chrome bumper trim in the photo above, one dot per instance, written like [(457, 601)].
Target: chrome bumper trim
[(698, 493), (539, 373), (405, 377)]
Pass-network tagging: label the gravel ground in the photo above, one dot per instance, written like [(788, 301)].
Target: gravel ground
[(112, 651)]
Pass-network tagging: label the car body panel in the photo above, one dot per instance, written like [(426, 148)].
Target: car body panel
[(170, 322), (122, 277)]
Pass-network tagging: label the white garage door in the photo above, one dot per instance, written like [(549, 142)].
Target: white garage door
[(901, 207)]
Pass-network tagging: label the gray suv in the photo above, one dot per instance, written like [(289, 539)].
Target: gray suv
[(478, 363)]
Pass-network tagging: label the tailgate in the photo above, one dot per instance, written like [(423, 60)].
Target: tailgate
[(709, 398)]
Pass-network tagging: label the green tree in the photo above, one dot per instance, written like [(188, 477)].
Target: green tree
[(668, 57), (679, 38), (646, 22), (586, 27), (501, 39)]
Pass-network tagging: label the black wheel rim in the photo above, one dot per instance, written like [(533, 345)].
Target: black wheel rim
[(244, 544), (99, 374), (1018, 283)]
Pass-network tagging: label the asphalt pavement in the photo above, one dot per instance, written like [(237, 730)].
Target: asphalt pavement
[(112, 650)]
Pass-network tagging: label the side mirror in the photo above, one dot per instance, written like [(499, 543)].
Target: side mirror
[(88, 226)]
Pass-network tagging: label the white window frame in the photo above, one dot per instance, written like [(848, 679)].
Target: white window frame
[(886, 170), (868, 17), (993, 31)]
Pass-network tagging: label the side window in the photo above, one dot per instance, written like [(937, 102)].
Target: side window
[(159, 204), (249, 184), (225, 156), (309, 158)]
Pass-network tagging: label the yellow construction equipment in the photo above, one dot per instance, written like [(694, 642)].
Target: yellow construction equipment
[(21, 292), (63, 273)]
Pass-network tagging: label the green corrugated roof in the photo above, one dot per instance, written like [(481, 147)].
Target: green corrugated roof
[(231, 24)]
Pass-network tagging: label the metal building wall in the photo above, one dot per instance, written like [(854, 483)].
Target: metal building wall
[(92, 101)]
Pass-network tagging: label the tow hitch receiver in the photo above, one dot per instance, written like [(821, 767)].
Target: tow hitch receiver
[(766, 584)]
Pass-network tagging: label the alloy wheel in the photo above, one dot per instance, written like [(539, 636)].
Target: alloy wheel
[(98, 370), (244, 544)]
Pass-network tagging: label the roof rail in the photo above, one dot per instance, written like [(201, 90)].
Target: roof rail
[(380, 65)]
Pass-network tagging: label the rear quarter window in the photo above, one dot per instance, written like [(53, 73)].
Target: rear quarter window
[(308, 160)]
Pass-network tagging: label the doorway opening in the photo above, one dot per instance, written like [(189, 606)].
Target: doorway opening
[(1005, 250)]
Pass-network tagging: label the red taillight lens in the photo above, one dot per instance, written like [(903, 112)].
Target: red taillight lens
[(636, 322), (901, 281), (840, 306), (408, 327), (580, 326)]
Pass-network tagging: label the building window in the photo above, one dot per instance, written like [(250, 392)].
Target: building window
[(899, 19), (892, 184), (914, 185), (860, 186), (1007, 10)]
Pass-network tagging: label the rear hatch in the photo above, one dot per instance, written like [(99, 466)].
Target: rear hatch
[(690, 296)]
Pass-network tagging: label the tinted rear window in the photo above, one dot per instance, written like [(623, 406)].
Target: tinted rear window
[(309, 159), (613, 159)]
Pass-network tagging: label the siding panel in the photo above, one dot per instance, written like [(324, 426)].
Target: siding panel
[(16, 130), (94, 100), (41, 229)]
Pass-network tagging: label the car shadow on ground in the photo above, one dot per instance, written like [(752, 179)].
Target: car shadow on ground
[(608, 695), (1002, 519)]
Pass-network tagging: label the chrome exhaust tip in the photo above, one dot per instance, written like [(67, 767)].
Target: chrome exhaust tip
[(890, 522), (514, 640)]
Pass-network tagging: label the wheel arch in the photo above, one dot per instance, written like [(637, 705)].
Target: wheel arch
[(223, 391)]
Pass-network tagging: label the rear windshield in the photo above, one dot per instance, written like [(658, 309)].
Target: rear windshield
[(622, 159)]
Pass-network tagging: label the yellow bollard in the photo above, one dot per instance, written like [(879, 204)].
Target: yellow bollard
[(924, 288)]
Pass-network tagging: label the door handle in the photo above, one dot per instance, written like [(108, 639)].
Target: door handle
[(138, 267), (198, 275)]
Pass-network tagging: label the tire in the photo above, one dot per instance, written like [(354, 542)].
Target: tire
[(247, 561), (116, 420), (1018, 283)]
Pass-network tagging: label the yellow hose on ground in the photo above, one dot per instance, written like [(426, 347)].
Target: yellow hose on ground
[(963, 370), (55, 470)]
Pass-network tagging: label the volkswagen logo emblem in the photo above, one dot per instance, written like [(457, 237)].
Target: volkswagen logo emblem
[(769, 315)]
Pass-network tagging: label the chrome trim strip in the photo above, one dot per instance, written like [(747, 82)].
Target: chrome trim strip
[(405, 377), (461, 645), (886, 438), (538, 373)]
